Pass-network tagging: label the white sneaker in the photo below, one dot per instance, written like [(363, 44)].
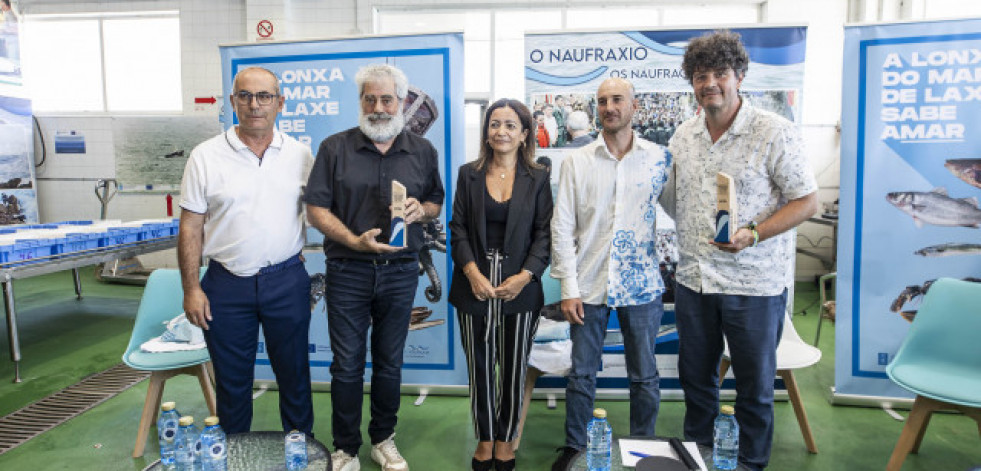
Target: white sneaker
[(387, 455), (341, 461)]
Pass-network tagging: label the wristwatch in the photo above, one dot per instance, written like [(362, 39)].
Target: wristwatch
[(756, 235)]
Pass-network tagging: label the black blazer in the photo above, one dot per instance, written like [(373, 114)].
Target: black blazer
[(527, 242)]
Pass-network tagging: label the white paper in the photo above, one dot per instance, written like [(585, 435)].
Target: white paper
[(655, 448)]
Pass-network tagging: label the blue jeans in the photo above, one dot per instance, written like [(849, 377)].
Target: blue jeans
[(362, 294), (639, 325), (752, 325)]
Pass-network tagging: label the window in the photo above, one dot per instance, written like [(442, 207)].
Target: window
[(106, 63)]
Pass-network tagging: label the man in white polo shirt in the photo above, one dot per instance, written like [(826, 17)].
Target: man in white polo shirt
[(241, 208)]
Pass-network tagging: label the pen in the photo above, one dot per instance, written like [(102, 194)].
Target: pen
[(642, 455)]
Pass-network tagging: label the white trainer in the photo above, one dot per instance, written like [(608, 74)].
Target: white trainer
[(387, 455), (341, 461)]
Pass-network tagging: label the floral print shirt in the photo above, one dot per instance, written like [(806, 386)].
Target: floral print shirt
[(603, 228), (764, 153)]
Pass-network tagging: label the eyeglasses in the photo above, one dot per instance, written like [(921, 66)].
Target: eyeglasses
[(263, 98), (370, 100)]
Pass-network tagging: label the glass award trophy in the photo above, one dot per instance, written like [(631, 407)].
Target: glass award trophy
[(398, 237), (726, 221)]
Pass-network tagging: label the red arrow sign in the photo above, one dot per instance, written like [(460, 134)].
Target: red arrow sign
[(209, 100)]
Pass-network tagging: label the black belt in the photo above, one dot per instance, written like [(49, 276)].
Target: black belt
[(385, 261)]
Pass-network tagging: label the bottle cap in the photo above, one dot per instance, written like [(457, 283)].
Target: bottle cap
[(211, 421), (599, 413), (727, 410), (186, 420), (168, 406)]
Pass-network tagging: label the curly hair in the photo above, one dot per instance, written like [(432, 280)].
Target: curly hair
[(718, 50)]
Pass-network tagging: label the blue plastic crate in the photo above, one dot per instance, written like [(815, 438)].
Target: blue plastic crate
[(28, 250), (58, 245), (121, 235), (156, 230), (78, 241)]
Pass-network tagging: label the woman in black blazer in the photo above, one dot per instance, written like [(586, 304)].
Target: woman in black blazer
[(503, 201)]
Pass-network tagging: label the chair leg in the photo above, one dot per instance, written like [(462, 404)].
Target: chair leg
[(150, 405), (723, 369), (204, 377), (795, 400), (531, 377), (912, 431)]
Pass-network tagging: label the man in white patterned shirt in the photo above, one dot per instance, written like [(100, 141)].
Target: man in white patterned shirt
[(739, 289), (604, 254)]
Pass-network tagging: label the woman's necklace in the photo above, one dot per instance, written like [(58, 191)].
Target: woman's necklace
[(504, 173)]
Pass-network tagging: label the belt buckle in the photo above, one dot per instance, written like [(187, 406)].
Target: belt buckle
[(380, 262)]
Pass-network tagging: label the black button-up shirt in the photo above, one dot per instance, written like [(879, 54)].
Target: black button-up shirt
[(353, 180)]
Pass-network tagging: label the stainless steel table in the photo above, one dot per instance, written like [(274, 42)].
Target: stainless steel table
[(72, 260)]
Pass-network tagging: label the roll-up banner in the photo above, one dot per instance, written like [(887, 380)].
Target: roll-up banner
[(910, 183), (317, 79), (18, 191), (562, 73)]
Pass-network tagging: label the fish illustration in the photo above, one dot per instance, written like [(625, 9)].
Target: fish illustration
[(935, 207), (950, 248), (968, 170)]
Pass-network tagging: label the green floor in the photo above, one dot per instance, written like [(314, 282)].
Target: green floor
[(64, 340)]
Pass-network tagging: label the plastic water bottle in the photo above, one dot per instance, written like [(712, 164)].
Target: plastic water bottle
[(214, 447), (725, 452), (599, 443), (167, 433), (296, 450), (188, 444)]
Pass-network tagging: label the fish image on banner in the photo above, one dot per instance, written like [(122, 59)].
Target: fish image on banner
[(936, 208), (948, 249), (968, 170)]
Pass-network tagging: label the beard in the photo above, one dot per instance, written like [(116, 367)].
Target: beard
[(381, 130)]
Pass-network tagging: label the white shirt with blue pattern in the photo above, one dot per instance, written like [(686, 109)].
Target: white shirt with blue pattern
[(765, 154), (603, 227)]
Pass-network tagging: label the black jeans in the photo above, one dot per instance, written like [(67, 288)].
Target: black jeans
[(362, 294)]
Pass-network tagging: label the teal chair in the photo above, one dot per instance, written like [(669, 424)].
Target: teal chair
[(940, 361), (163, 300), (551, 287)]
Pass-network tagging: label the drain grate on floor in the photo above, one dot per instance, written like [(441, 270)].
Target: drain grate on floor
[(46, 414)]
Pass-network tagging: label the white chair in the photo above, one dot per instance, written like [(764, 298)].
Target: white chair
[(792, 353)]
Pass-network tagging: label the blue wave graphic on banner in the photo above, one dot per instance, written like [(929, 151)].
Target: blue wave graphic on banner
[(649, 43), (538, 76), (772, 46)]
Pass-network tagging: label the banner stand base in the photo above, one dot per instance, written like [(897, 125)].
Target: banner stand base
[(861, 400)]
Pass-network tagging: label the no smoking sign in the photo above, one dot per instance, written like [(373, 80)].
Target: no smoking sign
[(264, 29)]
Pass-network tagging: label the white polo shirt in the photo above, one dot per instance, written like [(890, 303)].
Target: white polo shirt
[(253, 209)]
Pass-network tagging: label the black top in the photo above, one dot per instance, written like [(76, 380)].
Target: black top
[(526, 236), (353, 180), (497, 219)]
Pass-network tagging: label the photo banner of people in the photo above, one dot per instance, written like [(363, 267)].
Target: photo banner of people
[(318, 83), (562, 74), (910, 184), (18, 193)]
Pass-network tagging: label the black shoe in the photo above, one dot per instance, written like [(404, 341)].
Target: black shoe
[(568, 457), (504, 465), (477, 465)]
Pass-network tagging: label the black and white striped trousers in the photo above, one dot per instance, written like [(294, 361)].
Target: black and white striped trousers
[(496, 398)]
